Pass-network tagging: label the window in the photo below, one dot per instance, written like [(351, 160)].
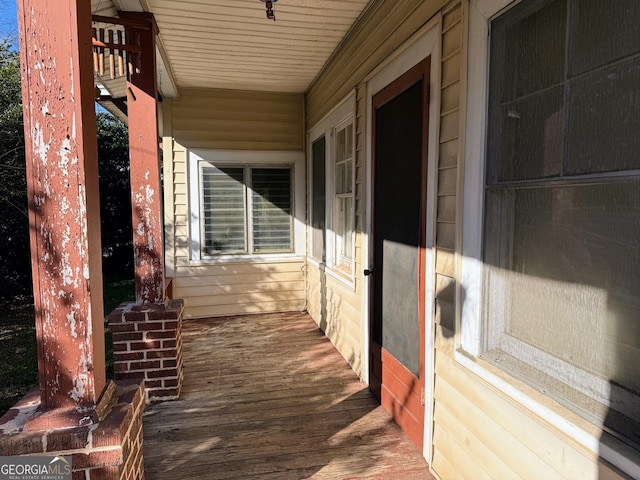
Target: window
[(343, 203), (246, 210), (318, 200), (244, 204), (562, 205), (332, 178)]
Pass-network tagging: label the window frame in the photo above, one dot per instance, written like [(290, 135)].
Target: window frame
[(246, 159), (471, 324), (340, 117), (340, 261), (248, 206)]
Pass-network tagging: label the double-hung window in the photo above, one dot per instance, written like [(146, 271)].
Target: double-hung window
[(561, 234), (246, 209), (246, 204), (343, 200), (332, 165)]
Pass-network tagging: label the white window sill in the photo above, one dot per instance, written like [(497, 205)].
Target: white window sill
[(336, 272), (248, 258)]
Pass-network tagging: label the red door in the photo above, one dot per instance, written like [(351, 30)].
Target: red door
[(400, 126)]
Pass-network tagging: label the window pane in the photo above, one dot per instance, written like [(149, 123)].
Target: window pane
[(272, 222), (344, 177), (526, 98), (318, 202), (344, 160), (347, 229), (341, 143), (604, 120), (530, 137), (223, 208), (603, 32), (530, 45), (563, 277)]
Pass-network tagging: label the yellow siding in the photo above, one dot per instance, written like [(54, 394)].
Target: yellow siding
[(449, 154), (521, 441), (229, 289), (336, 308), (237, 120), (227, 120), (384, 27)]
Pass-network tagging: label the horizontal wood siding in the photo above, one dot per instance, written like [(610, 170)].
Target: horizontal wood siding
[(227, 120), (238, 120), (336, 308), (383, 28), (449, 152), (230, 289)]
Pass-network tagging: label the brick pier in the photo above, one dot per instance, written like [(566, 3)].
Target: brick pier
[(147, 345), (108, 449)]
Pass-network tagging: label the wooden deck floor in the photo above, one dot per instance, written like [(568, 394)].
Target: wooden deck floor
[(268, 397)]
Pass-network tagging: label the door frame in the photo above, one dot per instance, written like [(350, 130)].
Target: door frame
[(425, 43)]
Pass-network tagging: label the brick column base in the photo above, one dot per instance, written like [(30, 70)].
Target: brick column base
[(108, 450), (147, 344)]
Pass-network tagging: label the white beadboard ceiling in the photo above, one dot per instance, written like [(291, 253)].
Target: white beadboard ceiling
[(231, 44)]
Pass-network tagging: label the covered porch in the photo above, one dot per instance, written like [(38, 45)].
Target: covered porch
[(267, 396)]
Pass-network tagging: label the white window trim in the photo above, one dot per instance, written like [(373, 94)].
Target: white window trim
[(333, 255), (470, 326), (294, 159), (340, 116)]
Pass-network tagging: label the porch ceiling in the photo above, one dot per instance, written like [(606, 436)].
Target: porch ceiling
[(232, 45)]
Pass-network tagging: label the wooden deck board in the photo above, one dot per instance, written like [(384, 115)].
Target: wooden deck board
[(268, 397)]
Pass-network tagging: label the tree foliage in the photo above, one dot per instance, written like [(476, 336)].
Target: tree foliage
[(15, 266), (115, 196)]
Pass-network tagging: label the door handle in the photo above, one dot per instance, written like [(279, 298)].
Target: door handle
[(368, 272)]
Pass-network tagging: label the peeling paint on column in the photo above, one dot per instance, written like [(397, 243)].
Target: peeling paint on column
[(145, 166), (61, 156)]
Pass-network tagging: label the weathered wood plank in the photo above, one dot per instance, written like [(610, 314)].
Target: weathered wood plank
[(268, 397)]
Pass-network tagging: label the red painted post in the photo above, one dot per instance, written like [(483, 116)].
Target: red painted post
[(64, 213), (144, 148)]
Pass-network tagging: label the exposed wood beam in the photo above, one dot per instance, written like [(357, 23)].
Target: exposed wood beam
[(125, 22)]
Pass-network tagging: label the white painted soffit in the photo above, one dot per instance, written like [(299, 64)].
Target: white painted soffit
[(231, 44)]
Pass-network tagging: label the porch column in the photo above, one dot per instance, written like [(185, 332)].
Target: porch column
[(64, 213), (144, 148), (147, 335)]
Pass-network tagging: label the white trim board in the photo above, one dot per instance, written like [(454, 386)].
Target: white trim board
[(244, 157), (421, 46)]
